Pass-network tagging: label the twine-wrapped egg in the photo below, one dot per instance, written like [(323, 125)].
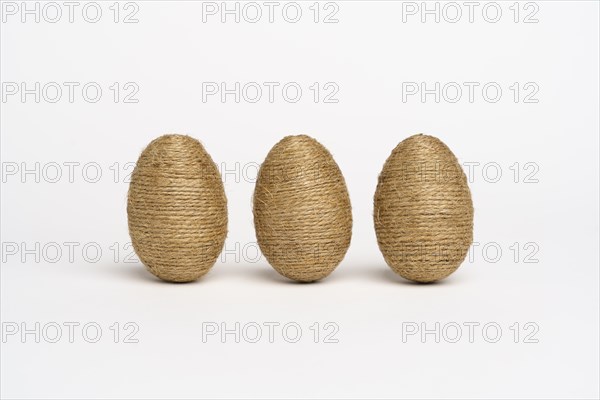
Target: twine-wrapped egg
[(176, 208), (302, 212), (423, 210)]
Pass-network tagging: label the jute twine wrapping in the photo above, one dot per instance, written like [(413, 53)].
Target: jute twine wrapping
[(302, 211), (177, 209), (423, 210)]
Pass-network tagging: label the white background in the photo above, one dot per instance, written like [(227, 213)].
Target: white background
[(368, 54)]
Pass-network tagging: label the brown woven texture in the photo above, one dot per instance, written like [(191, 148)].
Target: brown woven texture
[(177, 209), (423, 210), (302, 211)]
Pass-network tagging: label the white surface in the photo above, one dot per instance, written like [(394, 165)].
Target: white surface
[(369, 53)]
